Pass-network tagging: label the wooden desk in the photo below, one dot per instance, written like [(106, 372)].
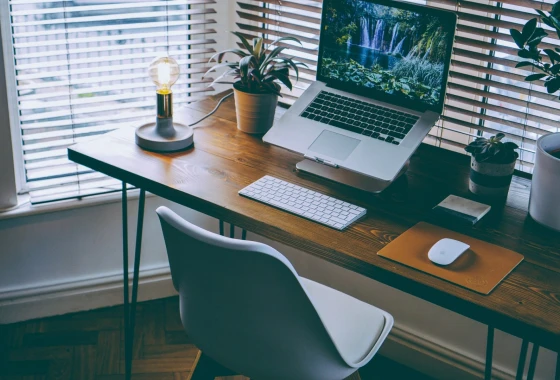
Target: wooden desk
[(224, 160)]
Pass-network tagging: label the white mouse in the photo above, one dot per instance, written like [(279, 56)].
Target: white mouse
[(446, 251)]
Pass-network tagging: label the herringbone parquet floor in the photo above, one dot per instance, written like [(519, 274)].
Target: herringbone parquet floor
[(89, 346)]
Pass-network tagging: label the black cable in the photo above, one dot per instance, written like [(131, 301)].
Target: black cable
[(214, 110)]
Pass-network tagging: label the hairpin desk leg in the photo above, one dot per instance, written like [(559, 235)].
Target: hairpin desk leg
[(232, 231), (522, 359), (489, 352), (135, 278), (130, 307), (533, 362), (125, 278)]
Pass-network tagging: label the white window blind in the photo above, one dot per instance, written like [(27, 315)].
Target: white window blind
[(486, 93), (81, 70)]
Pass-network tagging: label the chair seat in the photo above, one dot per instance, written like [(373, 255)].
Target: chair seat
[(354, 326)]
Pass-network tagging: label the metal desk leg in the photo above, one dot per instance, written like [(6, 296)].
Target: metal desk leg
[(489, 352), (522, 359), (533, 362), (130, 308), (127, 353), (232, 231), (135, 278)]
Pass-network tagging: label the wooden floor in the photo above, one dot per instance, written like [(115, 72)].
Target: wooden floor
[(89, 346)]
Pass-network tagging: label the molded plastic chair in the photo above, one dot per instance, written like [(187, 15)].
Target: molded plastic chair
[(244, 306)]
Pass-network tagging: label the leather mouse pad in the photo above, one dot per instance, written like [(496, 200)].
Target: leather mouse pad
[(480, 268)]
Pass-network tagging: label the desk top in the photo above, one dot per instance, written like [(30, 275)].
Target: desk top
[(224, 160)]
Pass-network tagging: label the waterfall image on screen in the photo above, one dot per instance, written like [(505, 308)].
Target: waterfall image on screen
[(392, 50)]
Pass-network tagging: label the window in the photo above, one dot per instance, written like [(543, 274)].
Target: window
[(486, 93), (80, 71)]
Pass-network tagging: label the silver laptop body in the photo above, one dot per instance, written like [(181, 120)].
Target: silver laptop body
[(353, 151)]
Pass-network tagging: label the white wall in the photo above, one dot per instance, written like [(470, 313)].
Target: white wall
[(71, 260)]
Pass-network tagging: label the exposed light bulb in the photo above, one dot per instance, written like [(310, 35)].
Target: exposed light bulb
[(164, 72)]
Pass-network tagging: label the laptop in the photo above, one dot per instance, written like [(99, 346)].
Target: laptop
[(381, 80)]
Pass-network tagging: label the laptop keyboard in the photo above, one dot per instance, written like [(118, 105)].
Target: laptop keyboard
[(367, 119)]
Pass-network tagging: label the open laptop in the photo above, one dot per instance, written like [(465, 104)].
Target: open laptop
[(381, 80)]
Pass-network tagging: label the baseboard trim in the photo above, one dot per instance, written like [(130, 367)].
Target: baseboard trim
[(70, 297), (403, 345), (435, 360)]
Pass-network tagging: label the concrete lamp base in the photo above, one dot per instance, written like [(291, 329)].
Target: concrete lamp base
[(164, 136)]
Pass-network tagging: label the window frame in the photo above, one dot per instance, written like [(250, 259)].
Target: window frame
[(6, 43)]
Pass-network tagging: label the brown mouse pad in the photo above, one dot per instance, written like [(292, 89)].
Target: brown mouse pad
[(480, 268)]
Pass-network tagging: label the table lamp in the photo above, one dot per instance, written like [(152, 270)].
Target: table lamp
[(164, 135)]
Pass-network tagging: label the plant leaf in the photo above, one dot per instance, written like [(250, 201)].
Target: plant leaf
[(532, 77), (523, 53), (257, 47), (245, 64), (285, 39), (554, 56), (537, 37), (552, 85), (517, 37), (219, 66), (528, 30), (524, 63), (244, 42), (220, 55), (510, 145), (270, 56), (285, 79)]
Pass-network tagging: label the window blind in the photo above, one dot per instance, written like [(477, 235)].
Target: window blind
[(81, 70), (486, 93)]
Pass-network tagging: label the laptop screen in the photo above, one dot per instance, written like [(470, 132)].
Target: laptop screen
[(396, 52)]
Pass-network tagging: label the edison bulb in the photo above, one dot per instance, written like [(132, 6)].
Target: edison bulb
[(164, 72)]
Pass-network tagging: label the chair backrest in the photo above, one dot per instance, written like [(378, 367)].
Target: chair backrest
[(242, 304)]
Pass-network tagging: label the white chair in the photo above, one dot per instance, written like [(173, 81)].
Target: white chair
[(244, 306)]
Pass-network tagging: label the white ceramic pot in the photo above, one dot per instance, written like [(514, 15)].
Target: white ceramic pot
[(255, 112), (544, 206), (490, 180)]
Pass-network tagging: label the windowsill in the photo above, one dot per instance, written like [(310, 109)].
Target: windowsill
[(24, 208)]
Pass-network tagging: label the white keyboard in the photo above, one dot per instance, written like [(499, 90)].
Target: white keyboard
[(303, 202)]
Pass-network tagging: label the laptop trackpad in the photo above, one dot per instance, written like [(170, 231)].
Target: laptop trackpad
[(334, 145)]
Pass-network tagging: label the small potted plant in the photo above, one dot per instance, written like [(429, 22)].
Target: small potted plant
[(257, 78), (492, 165)]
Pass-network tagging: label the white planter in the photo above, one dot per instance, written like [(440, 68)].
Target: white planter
[(255, 112), (544, 206), (490, 180)]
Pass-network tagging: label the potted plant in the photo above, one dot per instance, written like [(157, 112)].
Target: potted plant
[(543, 205), (257, 78), (492, 165)]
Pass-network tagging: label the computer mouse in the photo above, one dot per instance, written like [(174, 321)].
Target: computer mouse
[(446, 251)]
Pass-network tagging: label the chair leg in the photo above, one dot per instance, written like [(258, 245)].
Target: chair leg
[(205, 368)]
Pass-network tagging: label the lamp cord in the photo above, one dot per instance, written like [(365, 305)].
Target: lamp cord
[(213, 111)]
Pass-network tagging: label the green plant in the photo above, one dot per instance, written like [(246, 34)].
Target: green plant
[(493, 150), (528, 41), (260, 68)]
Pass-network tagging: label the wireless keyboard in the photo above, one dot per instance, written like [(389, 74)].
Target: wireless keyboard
[(303, 202)]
